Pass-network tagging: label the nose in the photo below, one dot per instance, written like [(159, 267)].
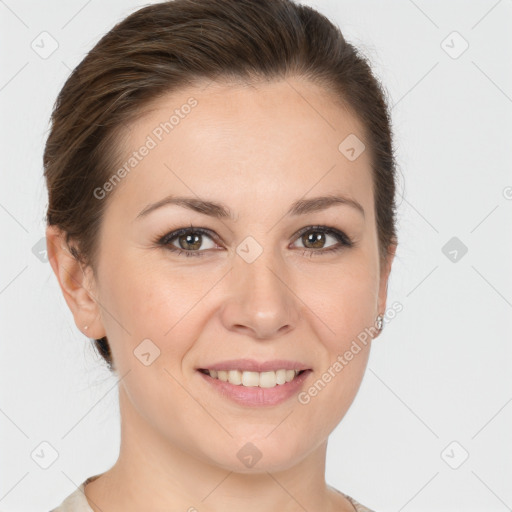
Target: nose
[(260, 302)]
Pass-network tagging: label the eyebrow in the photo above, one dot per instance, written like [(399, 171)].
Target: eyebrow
[(221, 211)]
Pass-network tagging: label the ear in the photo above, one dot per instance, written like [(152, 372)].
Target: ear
[(384, 277), (76, 283)]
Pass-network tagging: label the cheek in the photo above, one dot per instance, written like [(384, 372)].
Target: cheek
[(153, 301), (343, 298), (342, 307)]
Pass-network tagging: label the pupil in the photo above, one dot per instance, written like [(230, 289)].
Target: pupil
[(317, 240), (194, 240)]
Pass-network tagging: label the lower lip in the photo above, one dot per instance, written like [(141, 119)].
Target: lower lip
[(254, 395)]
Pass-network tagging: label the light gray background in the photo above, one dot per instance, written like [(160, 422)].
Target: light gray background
[(441, 370)]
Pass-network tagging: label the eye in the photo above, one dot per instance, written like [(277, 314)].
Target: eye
[(314, 239), (187, 241), (190, 241)]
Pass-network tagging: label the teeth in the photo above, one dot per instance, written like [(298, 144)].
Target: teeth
[(235, 377), (281, 376), (249, 379), (268, 379), (254, 379), (290, 374)]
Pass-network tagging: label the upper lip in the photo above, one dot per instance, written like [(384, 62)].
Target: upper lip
[(251, 365)]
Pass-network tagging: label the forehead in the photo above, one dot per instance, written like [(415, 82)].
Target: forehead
[(286, 136)]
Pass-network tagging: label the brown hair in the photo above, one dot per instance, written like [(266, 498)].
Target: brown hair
[(172, 44)]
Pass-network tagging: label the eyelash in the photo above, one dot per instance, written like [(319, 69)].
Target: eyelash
[(343, 240)]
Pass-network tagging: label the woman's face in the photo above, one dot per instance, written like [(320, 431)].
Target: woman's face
[(253, 282)]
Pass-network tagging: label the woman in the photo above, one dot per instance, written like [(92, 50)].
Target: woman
[(221, 222)]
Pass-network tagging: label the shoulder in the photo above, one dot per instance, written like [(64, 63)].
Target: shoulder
[(358, 507), (76, 501)]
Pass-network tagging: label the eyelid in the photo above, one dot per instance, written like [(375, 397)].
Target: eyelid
[(164, 240), (339, 235), (324, 228)]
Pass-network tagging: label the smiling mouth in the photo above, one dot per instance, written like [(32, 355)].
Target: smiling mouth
[(268, 379)]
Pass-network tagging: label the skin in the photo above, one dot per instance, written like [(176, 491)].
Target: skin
[(257, 150)]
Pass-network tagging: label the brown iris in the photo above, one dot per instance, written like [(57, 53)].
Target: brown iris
[(314, 237), (193, 241)]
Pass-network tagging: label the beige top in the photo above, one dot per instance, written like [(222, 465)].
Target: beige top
[(77, 502)]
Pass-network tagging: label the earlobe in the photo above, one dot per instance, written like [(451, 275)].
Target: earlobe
[(75, 282)]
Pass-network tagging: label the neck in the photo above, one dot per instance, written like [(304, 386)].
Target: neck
[(153, 473)]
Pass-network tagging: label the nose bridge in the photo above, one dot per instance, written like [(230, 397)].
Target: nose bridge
[(261, 301)]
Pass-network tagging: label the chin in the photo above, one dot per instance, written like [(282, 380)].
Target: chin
[(260, 455)]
